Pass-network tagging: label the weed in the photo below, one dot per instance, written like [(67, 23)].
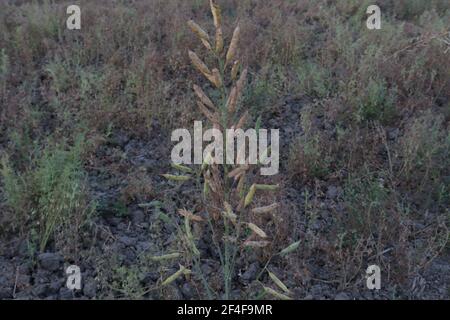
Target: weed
[(50, 195), (228, 194)]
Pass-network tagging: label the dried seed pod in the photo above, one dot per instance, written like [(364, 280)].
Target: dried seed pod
[(176, 178), (291, 248), (249, 196), (187, 229), (219, 40), (234, 70), (241, 184), (203, 97), (166, 256), (233, 45), (207, 161), (229, 212), (205, 188), (265, 209), (175, 276), (189, 236), (263, 157), (195, 250), (227, 206), (199, 64), (206, 44), (181, 168), (267, 187), (238, 171), (217, 16), (216, 12), (208, 182), (208, 114), (211, 186), (236, 92), (257, 230), (217, 178), (276, 294), (256, 244), (242, 121), (232, 100), (241, 82), (202, 35), (189, 215), (278, 282), (215, 78)]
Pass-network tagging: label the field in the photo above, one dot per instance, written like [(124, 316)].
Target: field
[(86, 177)]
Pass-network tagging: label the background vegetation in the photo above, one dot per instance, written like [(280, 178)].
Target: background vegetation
[(86, 116)]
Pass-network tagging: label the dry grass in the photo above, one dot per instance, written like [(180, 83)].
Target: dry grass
[(364, 116)]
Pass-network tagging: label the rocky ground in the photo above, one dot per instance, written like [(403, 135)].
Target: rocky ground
[(114, 248)]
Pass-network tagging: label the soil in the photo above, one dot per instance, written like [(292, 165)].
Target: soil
[(120, 236)]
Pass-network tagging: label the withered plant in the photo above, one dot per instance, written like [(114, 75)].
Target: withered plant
[(228, 190)]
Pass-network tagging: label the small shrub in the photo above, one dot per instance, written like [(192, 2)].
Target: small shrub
[(310, 153), (377, 102), (51, 194), (424, 153)]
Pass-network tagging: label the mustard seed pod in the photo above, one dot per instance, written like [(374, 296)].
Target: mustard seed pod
[(189, 215), (234, 70), (198, 63), (203, 97), (176, 178), (189, 236), (219, 40), (265, 209), (228, 213), (232, 100), (236, 92), (249, 196), (276, 294), (257, 230), (206, 161), (217, 17), (202, 35), (241, 184), (208, 114), (278, 282), (267, 187), (256, 244), (238, 171), (263, 157), (231, 53), (166, 257), (194, 248), (216, 12), (291, 248), (242, 121), (176, 275), (181, 168), (205, 188), (208, 180), (215, 78), (187, 229), (242, 81)]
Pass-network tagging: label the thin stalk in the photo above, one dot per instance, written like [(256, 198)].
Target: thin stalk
[(205, 283), (226, 268)]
